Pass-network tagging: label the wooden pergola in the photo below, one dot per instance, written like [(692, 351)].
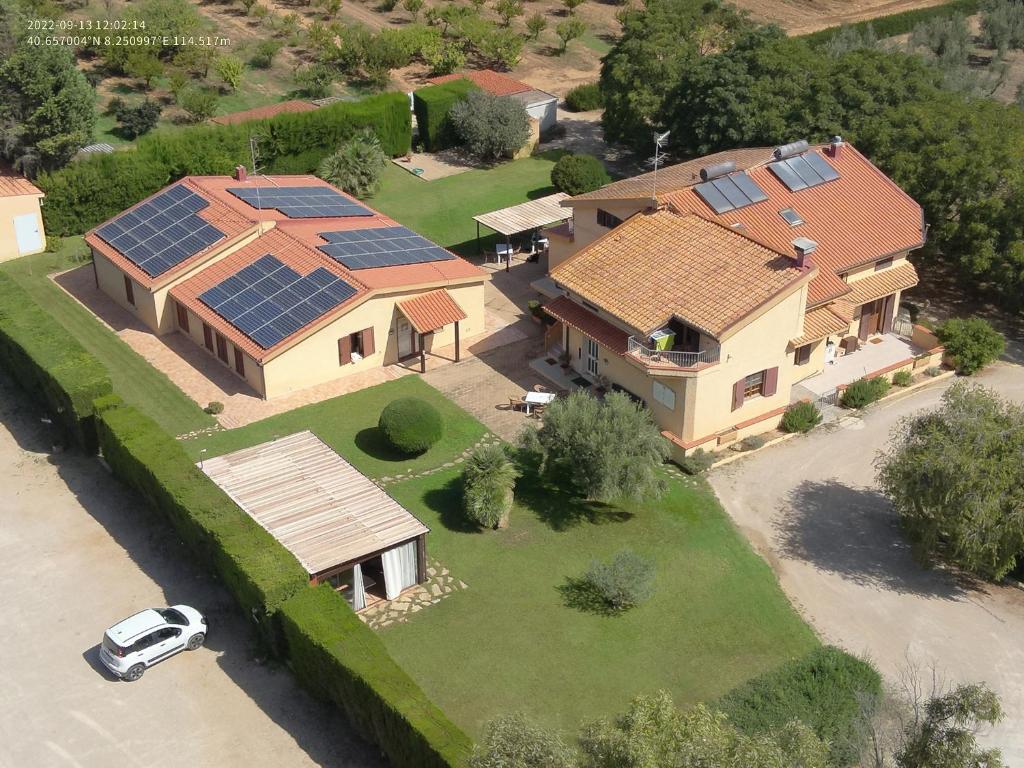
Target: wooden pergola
[(533, 214)]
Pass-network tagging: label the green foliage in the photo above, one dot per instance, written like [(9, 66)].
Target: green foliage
[(896, 23), (230, 69), (413, 7), (576, 174), (508, 10), (536, 24), (443, 56), (488, 481), (50, 364), (513, 741), (572, 5), (214, 407), (946, 38), (314, 81), (863, 392), (821, 690), (971, 343), (47, 107), (490, 127), (584, 98), (622, 583), (263, 56), (946, 735), (260, 573), (343, 661), (569, 30), (697, 463), (357, 165), (752, 442), (902, 378), (954, 476), (143, 65), (199, 103), (502, 48), (605, 449), (801, 417), (136, 119), (1002, 25), (433, 105), (410, 425), (653, 732)]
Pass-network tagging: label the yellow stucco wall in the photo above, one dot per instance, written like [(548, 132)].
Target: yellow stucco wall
[(111, 282), (253, 371), (11, 207)]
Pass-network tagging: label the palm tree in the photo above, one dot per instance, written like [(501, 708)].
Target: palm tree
[(488, 480), (356, 166)]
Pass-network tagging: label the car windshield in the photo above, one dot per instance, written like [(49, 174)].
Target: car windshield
[(111, 646), (172, 616)]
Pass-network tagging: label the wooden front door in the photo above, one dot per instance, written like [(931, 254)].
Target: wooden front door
[(870, 319)]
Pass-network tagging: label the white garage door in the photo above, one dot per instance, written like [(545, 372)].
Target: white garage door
[(26, 230)]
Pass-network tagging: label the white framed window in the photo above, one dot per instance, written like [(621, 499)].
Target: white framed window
[(665, 395)]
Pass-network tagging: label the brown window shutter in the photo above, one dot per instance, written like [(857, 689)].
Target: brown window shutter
[(208, 336), (771, 381), (889, 304), (129, 290), (368, 342), (344, 350), (239, 362), (737, 393)]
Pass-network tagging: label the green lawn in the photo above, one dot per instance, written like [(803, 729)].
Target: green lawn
[(349, 425), (134, 379), (510, 643), (443, 210)]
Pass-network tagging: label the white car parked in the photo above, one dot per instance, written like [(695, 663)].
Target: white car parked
[(150, 636)]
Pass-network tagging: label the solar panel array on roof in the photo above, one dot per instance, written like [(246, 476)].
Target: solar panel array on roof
[(162, 232), (268, 301), (301, 202), (381, 247), (727, 193), (803, 171)]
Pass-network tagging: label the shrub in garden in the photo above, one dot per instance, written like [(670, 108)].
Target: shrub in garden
[(863, 392), (513, 741), (753, 442), (801, 417), (410, 425), (266, 50), (932, 370), (902, 378), (133, 120), (357, 166), (576, 174), (971, 344), (488, 481), (698, 462), (199, 103), (214, 407), (623, 583), (584, 98), (491, 127)]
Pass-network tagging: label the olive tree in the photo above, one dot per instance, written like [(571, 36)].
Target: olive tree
[(491, 127), (513, 741)]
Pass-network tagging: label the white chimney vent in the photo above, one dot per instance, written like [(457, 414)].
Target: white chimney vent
[(804, 247)]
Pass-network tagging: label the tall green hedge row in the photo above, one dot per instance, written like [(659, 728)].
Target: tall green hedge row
[(341, 660), (899, 23), (49, 363), (432, 105), (87, 192)]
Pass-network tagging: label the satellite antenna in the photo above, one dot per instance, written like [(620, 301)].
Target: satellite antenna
[(660, 139)]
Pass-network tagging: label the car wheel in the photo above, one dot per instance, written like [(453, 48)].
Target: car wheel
[(196, 641), (134, 673)]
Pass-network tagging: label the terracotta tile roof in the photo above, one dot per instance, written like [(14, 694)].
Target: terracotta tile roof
[(675, 177), (225, 218), (431, 311), (859, 217), (12, 185), (291, 252), (819, 323), (660, 265), (882, 284), (487, 80), (263, 113), (585, 321)]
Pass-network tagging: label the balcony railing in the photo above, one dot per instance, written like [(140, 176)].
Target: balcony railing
[(671, 357)]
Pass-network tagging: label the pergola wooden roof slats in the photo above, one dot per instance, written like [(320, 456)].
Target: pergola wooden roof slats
[(532, 214)]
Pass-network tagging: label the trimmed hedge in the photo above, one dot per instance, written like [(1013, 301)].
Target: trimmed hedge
[(256, 569), (584, 98), (899, 23), (91, 190), (341, 660), (50, 364), (820, 690), (432, 105)]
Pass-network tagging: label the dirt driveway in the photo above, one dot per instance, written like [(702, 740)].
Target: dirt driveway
[(811, 508), (79, 553)]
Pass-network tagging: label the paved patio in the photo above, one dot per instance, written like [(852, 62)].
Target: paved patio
[(874, 355)]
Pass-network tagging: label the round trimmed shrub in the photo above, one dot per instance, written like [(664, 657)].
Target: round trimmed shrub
[(863, 392), (801, 417), (576, 174), (410, 425), (584, 98)]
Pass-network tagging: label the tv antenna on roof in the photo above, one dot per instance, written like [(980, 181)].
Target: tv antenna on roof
[(254, 155), (660, 140)]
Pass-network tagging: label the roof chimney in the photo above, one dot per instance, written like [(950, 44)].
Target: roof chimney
[(836, 147), (791, 149), (804, 247), (240, 173), (718, 169)]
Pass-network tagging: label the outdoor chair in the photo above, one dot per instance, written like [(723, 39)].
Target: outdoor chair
[(539, 388), (516, 404), (537, 410)]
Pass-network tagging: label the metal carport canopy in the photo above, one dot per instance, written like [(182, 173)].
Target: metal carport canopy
[(532, 214)]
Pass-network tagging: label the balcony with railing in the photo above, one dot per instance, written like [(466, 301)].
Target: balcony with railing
[(672, 358)]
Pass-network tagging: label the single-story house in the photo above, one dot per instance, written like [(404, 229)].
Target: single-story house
[(342, 527), (287, 281), (21, 220), (540, 105), (736, 278), (265, 112)]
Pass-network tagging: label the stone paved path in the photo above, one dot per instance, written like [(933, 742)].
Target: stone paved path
[(440, 583)]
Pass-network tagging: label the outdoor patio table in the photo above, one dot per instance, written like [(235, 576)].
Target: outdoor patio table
[(537, 398), (504, 251)]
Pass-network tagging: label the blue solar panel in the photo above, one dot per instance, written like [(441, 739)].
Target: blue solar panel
[(803, 171), (268, 300), (300, 202), (162, 232), (381, 247), (727, 193)]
